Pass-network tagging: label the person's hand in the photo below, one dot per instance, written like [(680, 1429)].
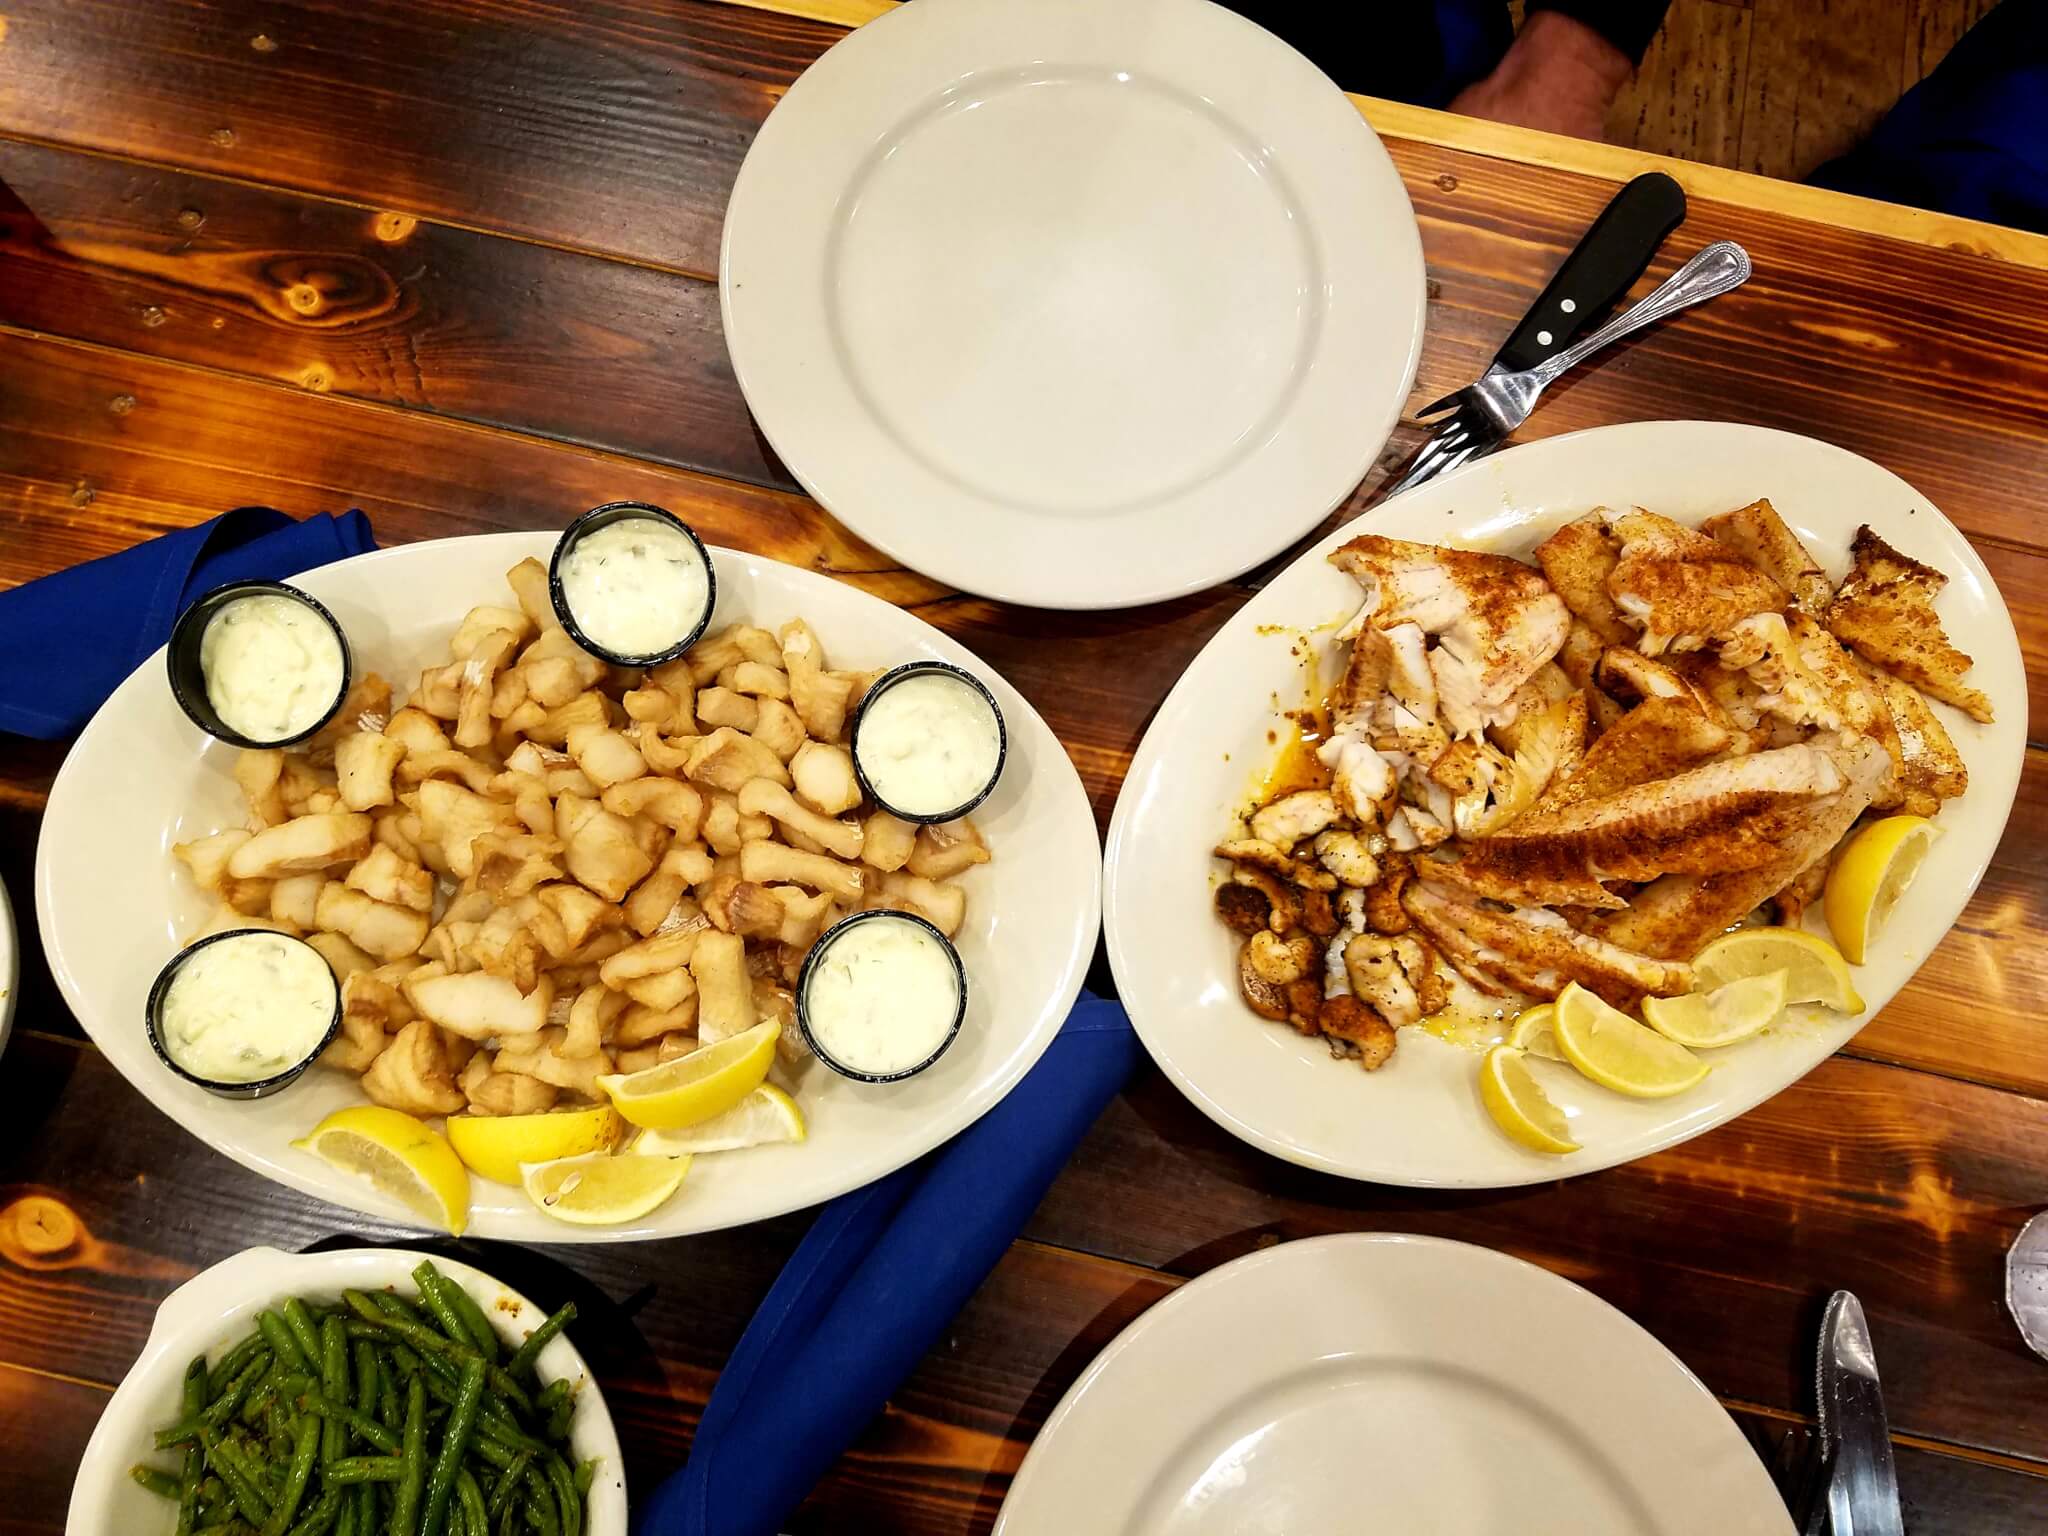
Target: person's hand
[(1560, 75)]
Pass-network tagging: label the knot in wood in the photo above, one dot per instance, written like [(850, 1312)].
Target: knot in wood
[(392, 227), (38, 1227)]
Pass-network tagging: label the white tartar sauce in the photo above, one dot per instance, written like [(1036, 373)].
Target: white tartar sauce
[(882, 997), (273, 666), (636, 586), (928, 744), (247, 1008)]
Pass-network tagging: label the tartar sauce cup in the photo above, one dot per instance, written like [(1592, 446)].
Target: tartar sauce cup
[(878, 776), (817, 1028), (689, 626), (225, 1087), (185, 657)]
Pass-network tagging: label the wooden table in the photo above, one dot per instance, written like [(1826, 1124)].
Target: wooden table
[(453, 263)]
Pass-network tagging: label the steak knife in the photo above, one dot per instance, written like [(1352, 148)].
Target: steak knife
[(1863, 1494)]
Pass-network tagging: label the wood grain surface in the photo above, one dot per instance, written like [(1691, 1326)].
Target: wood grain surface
[(450, 262)]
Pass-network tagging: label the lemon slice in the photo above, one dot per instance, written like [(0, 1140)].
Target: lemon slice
[(1870, 876), (1519, 1105), (600, 1190), (697, 1087), (1618, 1053), (495, 1145), (1721, 1017), (767, 1114), (1534, 1032), (1815, 971), (410, 1162)]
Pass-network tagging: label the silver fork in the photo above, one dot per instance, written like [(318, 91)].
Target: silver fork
[(1483, 413)]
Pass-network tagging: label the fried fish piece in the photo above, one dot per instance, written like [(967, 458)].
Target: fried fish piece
[(1884, 612), (1577, 560), (1681, 586), (1761, 537), (1927, 769), (1535, 951), (1658, 739)]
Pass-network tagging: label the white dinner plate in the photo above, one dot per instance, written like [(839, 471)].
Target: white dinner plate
[(10, 967), (1418, 1120), (1376, 1382), (1072, 303), (113, 902)]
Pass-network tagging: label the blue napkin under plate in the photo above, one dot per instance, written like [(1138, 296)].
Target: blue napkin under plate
[(68, 640), (877, 1279)]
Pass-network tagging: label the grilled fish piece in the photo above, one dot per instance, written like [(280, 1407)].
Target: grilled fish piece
[(1534, 951), (1885, 613), (1658, 739), (1577, 560), (1495, 620), (1760, 536), (1683, 587), (1927, 769), (1676, 917), (1579, 660)]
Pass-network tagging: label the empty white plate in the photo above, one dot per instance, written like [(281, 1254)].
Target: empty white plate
[(1376, 1382), (1070, 303)]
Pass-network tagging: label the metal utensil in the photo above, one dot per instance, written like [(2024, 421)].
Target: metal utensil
[(1863, 1493), (1483, 413), (2026, 1283)]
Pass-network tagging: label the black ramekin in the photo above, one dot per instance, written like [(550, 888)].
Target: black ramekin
[(803, 994), (603, 517), (188, 677), (890, 679), (262, 1088)]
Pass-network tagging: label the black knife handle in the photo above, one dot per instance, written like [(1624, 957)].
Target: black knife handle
[(1600, 271)]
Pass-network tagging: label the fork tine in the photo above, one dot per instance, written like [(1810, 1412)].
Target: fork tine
[(1452, 437), (1449, 402)]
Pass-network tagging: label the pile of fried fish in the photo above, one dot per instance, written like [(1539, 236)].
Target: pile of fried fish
[(1586, 771)]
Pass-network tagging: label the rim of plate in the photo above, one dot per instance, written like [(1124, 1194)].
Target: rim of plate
[(1357, 370), (1487, 1267), (1535, 1168), (976, 1099), (10, 966)]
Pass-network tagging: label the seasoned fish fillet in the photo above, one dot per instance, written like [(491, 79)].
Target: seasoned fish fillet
[(1495, 620), (1678, 916), (1534, 951), (1579, 660), (1927, 769), (1578, 559), (1720, 816), (1682, 586), (1885, 613), (1658, 739), (1760, 536)]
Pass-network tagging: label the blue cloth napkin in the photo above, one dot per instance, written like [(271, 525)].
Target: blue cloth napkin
[(880, 1276), (68, 640)]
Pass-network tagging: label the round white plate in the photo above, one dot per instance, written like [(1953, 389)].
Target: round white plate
[(1376, 1382), (10, 967), (113, 903), (1418, 1120), (1068, 303)]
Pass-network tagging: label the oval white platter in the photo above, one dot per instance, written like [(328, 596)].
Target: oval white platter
[(113, 904), (1418, 1120)]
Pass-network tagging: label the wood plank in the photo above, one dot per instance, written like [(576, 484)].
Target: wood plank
[(1906, 1188), (1686, 97), (1821, 73), (44, 1422), (1933, 27), (142, 1214), (331, 298)]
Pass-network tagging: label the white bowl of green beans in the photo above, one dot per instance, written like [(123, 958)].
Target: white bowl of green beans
[(352, 1393)]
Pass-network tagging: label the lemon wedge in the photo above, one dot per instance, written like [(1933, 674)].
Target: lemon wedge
[(765, 1115), (1815, 971), (1534, 1032), (600, 1190), (495, 1145), (402, 1158), (1870, 876), (1723, 1016), (1519, 1105), (1616, 1052), (697, 1087)]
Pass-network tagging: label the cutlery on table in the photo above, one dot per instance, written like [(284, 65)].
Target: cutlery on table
[(1854, 1442), (1483, 413)]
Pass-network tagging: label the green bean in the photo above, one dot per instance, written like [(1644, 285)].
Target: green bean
[(305, 1450), (471, 1498), (162, 1484), (226, 1458), (428, 1342), (437, 1304), (521, 1363), (305, 1332), (507, 1489), (455, 1436), (192, 1468), (334, 1386), (369, 1378), (280, 1339), (446, 1299), (366, 1509), (564, 1482), (405, 1508), (369, 1429), (540, 1503), (345, 1524), (321, 1517), (586, 1474), (221, 1409), (557, 1427), (231, 1363), (364, 1469)]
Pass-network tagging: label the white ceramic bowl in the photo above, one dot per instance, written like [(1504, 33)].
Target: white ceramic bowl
[(218, 1306)]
